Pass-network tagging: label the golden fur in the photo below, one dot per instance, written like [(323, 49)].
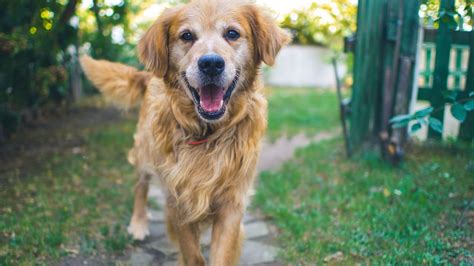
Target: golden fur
[(207, 183), (122, 85)]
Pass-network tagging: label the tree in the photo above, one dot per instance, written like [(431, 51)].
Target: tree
[(461, 16), (322, 23), (33, 40), (36, 62)]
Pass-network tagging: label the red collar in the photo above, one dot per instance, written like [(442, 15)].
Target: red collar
[(197, 142), (204, 139)]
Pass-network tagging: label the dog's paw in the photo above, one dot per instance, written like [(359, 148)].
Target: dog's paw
[(138, 230)]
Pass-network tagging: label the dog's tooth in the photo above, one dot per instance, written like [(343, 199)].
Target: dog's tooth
[(221, 103)]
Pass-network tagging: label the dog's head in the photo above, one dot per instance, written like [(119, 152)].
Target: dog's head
[(211, 49)]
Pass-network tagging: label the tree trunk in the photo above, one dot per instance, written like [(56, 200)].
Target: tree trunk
[(95, 9), (68, 12), (75, 75)]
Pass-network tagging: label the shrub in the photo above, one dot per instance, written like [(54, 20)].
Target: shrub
[(323, 23)]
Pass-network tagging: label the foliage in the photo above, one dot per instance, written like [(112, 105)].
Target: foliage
[(327, 22), (39, 41), (459, 110), (33, 41), (461, 16), (323, 23), (373, 214), (108, 16)]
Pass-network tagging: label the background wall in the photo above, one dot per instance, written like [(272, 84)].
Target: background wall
[(304, 66)]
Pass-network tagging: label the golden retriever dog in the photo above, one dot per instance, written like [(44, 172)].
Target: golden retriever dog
[(202, 118)]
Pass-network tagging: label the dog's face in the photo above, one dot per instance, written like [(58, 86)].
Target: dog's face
[(211, 48)]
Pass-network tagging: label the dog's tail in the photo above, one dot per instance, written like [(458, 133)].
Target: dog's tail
[(122, 85)]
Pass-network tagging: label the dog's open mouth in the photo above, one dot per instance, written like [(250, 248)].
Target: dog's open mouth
[(211, 100)]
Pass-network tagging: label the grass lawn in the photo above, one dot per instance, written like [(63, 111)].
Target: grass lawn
[(79, 200), (73, 203), (420, 213), (292, 111)]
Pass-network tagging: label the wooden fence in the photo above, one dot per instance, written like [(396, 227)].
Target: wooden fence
[(385, 59), (457, 69), (384, 70), (447, 66)]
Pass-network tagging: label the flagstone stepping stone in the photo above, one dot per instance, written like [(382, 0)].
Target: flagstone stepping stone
[(254, 253), (256, 229), (140, 258)]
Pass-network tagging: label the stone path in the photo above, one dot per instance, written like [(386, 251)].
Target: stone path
[(259, 247), (157, 250)]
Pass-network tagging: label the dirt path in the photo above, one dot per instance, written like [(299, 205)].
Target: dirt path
[(275, 153)]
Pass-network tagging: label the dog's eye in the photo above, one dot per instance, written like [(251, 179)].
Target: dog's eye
[(187, 36), (232, 35)]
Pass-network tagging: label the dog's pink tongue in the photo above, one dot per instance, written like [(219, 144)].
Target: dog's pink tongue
[(212, 98)]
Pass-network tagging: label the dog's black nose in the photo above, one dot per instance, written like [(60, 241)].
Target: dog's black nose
[(211, 65)]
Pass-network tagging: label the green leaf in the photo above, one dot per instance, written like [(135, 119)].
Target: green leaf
[(422, 121), (458, 111), (400, 124), (435, 124), (423, 112), (415, 127), (401, 119), (469, 106)]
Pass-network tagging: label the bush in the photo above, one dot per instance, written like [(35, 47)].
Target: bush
[(38, 45), (323, 23)]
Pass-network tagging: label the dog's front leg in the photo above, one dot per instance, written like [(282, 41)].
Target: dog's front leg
[(138, 227), (187, 236), (227, 235)]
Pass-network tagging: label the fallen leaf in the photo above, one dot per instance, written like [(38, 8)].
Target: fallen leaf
[(334, 257), (71, 250)]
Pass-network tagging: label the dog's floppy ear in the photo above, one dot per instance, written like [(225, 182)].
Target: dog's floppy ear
[(153, 49), (268, 37)]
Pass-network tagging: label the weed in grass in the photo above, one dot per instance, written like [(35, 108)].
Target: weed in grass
[(117, 239)]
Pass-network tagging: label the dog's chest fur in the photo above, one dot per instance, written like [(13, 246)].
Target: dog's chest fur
[(201, 176)]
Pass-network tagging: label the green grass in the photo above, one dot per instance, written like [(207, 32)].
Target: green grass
[(322, 203), (74, 203), (420, 213), (292, 111)]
